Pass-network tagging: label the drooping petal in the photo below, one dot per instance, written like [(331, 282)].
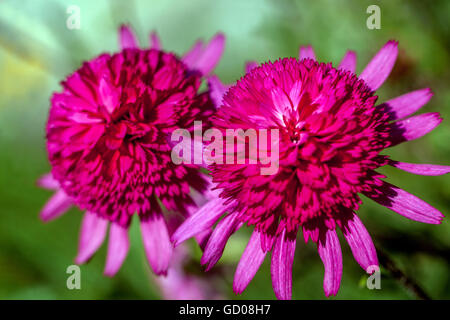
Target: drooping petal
[(348, 62), (118, 246), (306, 52), (92, 234), (211, 54), (281, 266), (422, 168), (406, 104), (379, 68), (250, 65), (217, 89), (200, 221), (360, 242), (218, 240), (251, 260), (127, 39), (405, 204), (157, 243), (57, 205), (48, 182), (331, 255), (155, 42), (414, 127)]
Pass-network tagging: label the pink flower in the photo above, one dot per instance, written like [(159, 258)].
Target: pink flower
[(108, 145), (331, 135)]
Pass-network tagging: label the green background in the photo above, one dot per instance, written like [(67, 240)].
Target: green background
[(37, 51)]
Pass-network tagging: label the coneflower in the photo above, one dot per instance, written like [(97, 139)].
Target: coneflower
[(108, 142), (331, 133)]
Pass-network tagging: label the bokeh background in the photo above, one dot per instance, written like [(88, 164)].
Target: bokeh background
[(37, 51)]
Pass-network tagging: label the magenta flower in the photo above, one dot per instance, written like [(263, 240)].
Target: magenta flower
[(108, 145), (331, 133)]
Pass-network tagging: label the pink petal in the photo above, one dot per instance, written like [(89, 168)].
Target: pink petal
[(379, 68), (360, 242), (306, 52), (193, 54), (48, 182), (216, 243), (348, 62), (203, 237), (217, 89), (92, 234), (127, 39), (251, 260), (422, 169), (118, 246), (414, 127), (108, 95), (211, 54), (331, 255), (57, 205), (405, 204), (250, 65), (157, 243), (155, 42), (281, 266), (200, 221), (406, 104)]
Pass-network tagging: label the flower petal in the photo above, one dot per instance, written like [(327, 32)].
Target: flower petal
[(157, 243), (331, 255), (406, 104), (48, 182), (155, 42), (422, 168), (348, 62), (405, 204), (211, 54), (92, 234), (218, 240), (250, 65), (251, 260), (118, 247), (360, 242), (379, 68), (193, 54), (200, 221), (281, 266), (57, 205), (127, 39), (414, 127), (217, 89), (306, 52)]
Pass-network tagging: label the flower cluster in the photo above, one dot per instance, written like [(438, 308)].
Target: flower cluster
[(108, 142)]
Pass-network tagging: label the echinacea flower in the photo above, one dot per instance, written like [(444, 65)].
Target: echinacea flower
[(331, 133), (108, 142)]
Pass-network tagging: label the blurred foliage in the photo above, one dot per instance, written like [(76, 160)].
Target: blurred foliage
[(37, 51)]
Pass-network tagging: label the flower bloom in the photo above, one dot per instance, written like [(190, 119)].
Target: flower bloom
[(108, 141), (331, 133)]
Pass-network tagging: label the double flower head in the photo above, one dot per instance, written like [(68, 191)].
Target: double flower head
[(110, 146)]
